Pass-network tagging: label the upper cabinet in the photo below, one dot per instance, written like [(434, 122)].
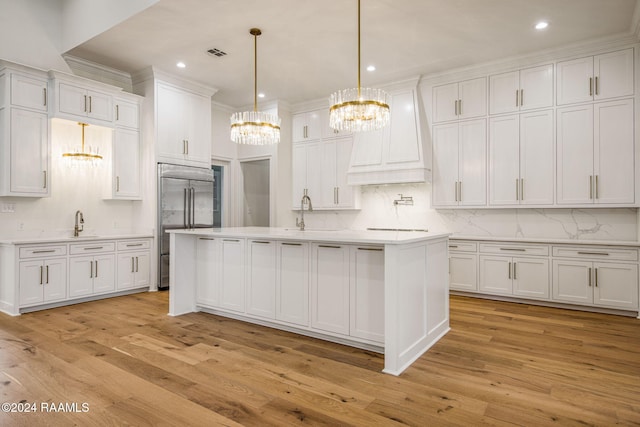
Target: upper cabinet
[(396, 153), (599, 77), (82, 100), (462, 100), (521, 90), (307, 126), (24, 134), (126, 113)]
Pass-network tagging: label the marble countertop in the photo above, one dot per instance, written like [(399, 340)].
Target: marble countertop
[(632, 243), (71, 239), (317, 235)]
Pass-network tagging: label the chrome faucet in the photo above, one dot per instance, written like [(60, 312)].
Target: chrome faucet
[(301, 223), (79, 224)]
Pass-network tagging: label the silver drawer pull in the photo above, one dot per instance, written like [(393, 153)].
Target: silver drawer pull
[(513, 249), (329, 246), (44, 251), (291, 244), (231, 240), (93, 248), (262, 242), (206, 238), (593, 253), (453, 246), (371, 249), (130, 245)]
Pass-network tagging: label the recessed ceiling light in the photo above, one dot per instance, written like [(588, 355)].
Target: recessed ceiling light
[(261, 95), (181, 64), (542, 25), (371, 68)]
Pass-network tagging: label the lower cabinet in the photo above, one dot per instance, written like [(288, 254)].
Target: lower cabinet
[(43, 281), (232, 267), (91, 275), (207, 268), (261, 278), (292, 283), (463, 266), (366, 279), (133, 270), (330, 287), (519, 276)]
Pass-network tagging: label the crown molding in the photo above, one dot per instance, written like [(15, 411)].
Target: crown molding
[(98, 72)]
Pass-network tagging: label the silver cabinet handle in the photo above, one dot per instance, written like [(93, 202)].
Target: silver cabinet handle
[(371, 249), (44, 184), (521, 188), (187, 153), (596, 187), (455, 188), (137, 264), (589, 276), (460, 107), (453, 246), (517, 189), (231, 240), (85, 103), (455, 107), (509, 270), (521, 97), (590, 186), (96, 268), (517, 104), (93, 248), (594, 253), (117, 112), (329, 246), (205, 238), (41, 275), (130, 245), (595, 274), (44, 92), (515, 277), (47, 274), (262, 242), (44, 251), (513, 249), (117, 184), (597, 87), (590, 86), (91, 269), (291, 244), (335, 202), (132, 264), (459, 191), (90, 104)]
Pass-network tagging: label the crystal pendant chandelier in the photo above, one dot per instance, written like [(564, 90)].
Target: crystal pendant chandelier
[(84, 156), (359, 109), (255, 127)]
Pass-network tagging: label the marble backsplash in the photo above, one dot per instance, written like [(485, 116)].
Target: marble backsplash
[(378, 210)]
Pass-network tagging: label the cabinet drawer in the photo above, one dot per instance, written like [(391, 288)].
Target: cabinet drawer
[(460, 246), (599, 253), (132, 245), (91, 247), (43, 251), (515, 249)]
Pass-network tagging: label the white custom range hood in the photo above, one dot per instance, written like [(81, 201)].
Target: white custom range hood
[(398, 153)]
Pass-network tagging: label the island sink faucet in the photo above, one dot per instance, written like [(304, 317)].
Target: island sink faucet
[(301, 223), (79, 224)]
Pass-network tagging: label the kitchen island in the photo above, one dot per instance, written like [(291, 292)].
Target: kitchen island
[(387, 291)]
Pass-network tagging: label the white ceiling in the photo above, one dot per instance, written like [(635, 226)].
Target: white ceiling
[(308, 49)]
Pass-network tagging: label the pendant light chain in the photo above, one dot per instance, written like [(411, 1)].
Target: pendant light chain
[(255, 33)]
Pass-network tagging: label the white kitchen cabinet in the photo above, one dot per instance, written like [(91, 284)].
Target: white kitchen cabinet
[(232, 274), (261, 278), (92, 274), (127, 113), (29, 92), (459, 164), (307, 126), (463, 266), (521, 158), (605, 284), (330, 288), (335, 193), (326, 131), (126, 165), (599, 77), (519, 276), (461, 100), (292, 283), (366, 293), (595, 154), (76, 102), (133, 270), (208, 271), (42, 281), (305, 174), (395, 153), (183, 126), (521, 90)]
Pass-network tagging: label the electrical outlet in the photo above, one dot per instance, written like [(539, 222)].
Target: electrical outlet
[(8, 208), (20, 226)]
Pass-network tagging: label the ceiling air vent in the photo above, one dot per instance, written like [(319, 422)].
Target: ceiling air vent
[(216, 52)]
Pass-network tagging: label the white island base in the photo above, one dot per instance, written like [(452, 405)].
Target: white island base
[(386, 291)]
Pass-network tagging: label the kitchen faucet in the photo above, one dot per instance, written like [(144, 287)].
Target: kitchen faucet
[(79, 225), (301, 223)]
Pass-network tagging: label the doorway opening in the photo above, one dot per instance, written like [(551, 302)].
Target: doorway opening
[(256, 193)]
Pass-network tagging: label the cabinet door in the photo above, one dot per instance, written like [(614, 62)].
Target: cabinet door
[(367, 293), (495, 275), (445, 164), (313, 173), (126, 268), (473, 163), (261, 278), (444, 102), (536, 158), (307, 126), (142, 269), (29, 153), (473, 98), (99, 106), (575, 80), (531, 278), (80, 276), (126, 163), (327, 131), (29, 92), (572, 281), (127, 114), (170, 122), (208, 271), (292, 288), (463, 272), (614, 168), (575, 155), (504, 155), (328, 172), (346, 195), (197, 125), (104, 273), (232, 274), (73, 100), (298, 123), (330, 288), (403, 147), (616, 285), (536, 86), (31, 282), (54, 280), (298, 173), (614, 74), (504, 93)]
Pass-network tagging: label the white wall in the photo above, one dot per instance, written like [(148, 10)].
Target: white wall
[(72, 189)]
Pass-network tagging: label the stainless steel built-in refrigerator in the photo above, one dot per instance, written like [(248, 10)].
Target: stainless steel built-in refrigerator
[(185, 201)]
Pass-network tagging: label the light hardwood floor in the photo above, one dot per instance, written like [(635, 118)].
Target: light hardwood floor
[(501, 364)]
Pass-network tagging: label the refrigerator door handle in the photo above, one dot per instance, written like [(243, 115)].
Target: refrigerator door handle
[(193, 207), (189, 202), (184, 211)]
